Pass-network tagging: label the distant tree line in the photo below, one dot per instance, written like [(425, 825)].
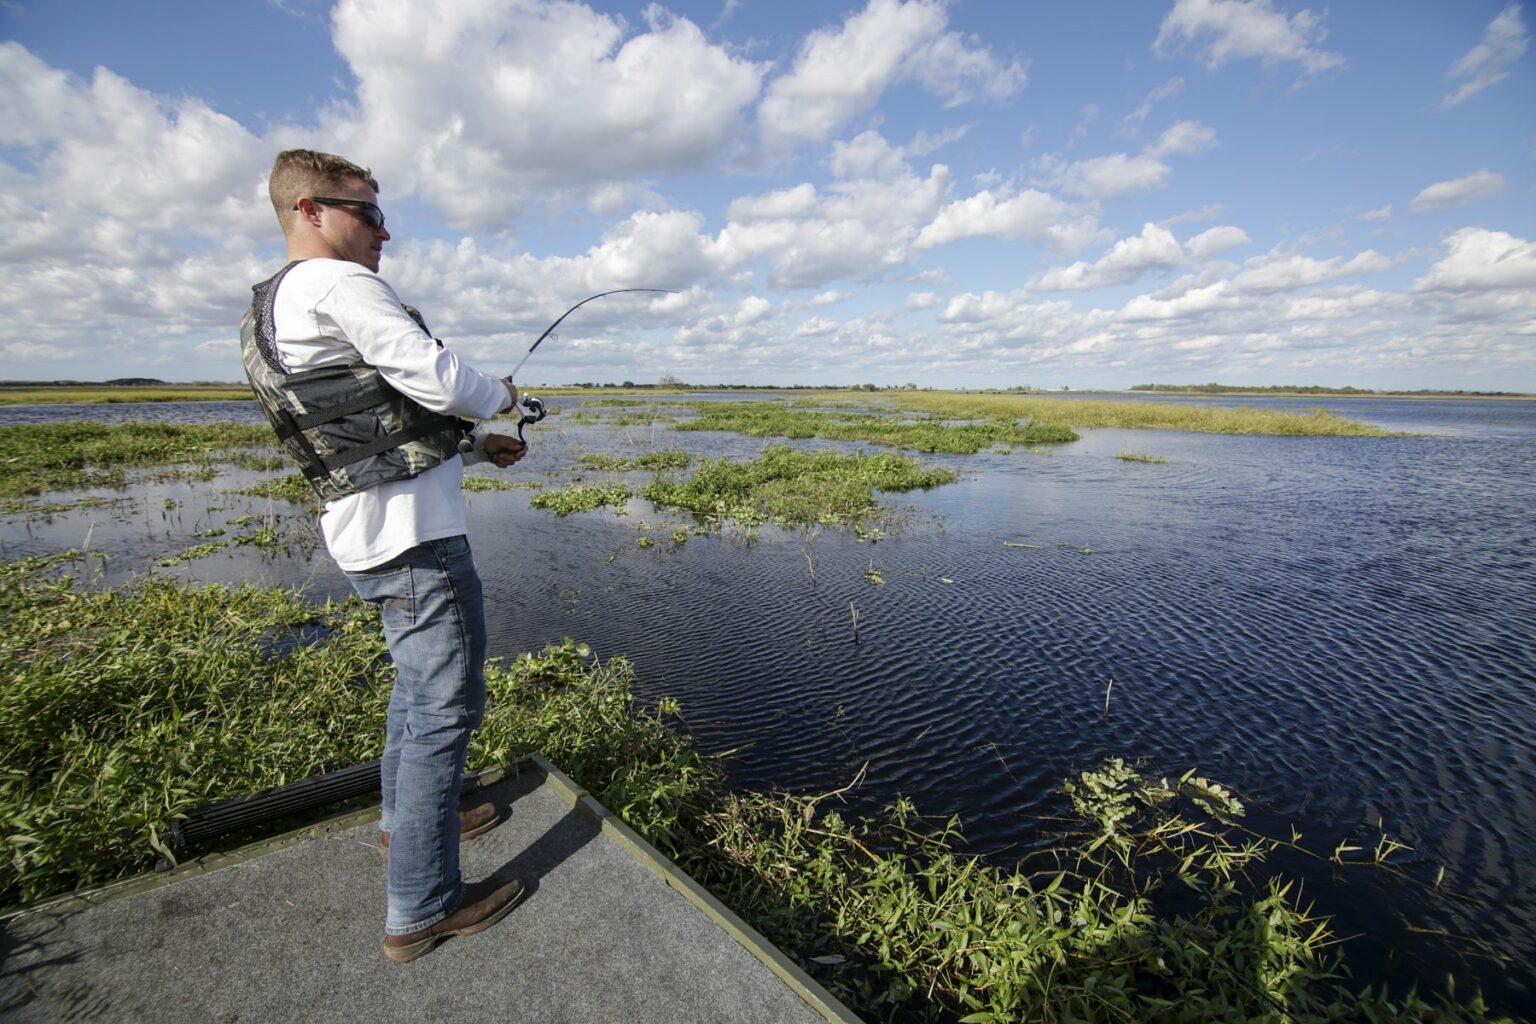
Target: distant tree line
[(672, 383), (1309, 389), (119, 382)]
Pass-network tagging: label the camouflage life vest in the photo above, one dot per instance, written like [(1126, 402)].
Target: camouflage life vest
[(347, 428)]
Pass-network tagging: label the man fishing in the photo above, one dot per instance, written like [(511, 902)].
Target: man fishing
[(371, 407)]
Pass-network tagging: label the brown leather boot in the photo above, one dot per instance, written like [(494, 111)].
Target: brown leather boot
[(481, 907), (473, 821)]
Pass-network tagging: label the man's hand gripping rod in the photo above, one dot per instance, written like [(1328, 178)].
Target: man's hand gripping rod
[(535, 407)]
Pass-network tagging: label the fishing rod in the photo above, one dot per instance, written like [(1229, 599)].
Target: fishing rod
[(534, 408)]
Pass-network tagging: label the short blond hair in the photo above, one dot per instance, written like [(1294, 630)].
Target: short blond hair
[(304, 172)]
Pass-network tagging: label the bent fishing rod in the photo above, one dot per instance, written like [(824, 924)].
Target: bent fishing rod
[(533, 408)]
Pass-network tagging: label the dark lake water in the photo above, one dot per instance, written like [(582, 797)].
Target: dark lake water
[(1339, 628)]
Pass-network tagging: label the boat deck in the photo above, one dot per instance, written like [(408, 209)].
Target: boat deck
[(292, 930)]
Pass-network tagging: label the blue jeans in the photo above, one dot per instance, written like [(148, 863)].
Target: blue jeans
[(434, 623)]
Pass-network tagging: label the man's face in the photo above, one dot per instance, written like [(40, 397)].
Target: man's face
[(347, 233)]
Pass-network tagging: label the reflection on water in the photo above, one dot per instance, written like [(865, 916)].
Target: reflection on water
[(1338, 627)]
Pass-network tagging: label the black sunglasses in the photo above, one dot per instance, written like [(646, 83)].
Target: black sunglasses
[(371, 214)]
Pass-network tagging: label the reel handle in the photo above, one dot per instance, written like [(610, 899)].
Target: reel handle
[(535, 412)]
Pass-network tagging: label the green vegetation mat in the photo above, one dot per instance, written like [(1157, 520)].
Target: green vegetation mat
[(80, 455), (650, 460), (118, 395), (932, 434), (581, 498), (795, 487), (1064, 413), (123, 709)]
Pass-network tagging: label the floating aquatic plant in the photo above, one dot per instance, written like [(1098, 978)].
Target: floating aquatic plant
[(795, 487), (581, 498)]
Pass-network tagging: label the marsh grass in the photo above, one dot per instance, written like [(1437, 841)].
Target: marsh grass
[(290, 487), (639, 419), (78, 455), (795, 487), (930, 434), (191, 553), (1067, 413), (119, 395), (650, 460), (480, 484), (127, 708), (1141, 457), (261, 462), (43, 509)]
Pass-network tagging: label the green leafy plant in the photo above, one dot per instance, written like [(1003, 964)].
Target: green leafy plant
[(581, 498), (795, 487)]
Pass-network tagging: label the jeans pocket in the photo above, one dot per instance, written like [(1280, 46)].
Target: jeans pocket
[(393, 591), (455, 547)]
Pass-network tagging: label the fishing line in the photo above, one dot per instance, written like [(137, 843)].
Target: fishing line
[(533, 407)]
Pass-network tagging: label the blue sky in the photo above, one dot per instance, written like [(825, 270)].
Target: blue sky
[(961, 194)]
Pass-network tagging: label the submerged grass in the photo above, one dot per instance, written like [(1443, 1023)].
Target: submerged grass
[(491, 483), (127, 708), (650, 460), (78, 455), (931, 434), (795, 487), (290, 487), (43, 509), (1065, 413)]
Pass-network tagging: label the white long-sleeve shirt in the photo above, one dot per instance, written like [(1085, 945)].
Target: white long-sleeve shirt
[(331, 312)]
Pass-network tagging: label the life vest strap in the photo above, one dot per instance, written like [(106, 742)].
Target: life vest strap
[(378, 391), (326, 463)]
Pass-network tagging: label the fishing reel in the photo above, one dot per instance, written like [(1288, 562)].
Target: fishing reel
[(533, 412)]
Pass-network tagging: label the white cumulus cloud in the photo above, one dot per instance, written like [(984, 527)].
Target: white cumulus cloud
[(842, 72), (1128, 259), (1029, 214), (784, 204), (1277, 271), (816, 326), (1225, 30), (471, 104), (752, 309), (1482, 185), (1104, 177), (1183, 137), (856, 229), (1217, 240), (1477, 260)]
